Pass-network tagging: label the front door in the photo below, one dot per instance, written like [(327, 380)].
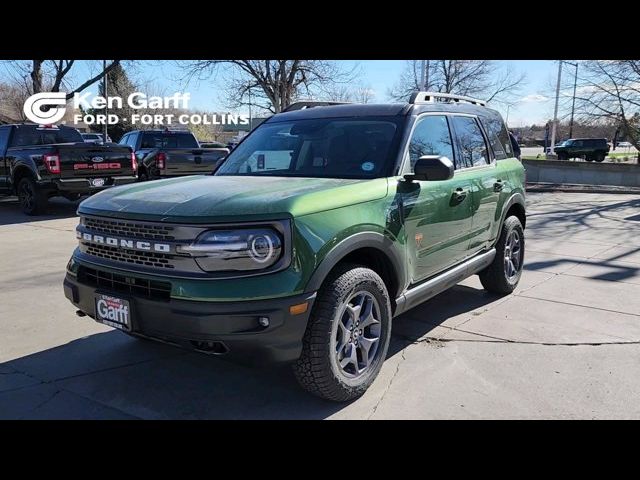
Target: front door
[(437, 214)]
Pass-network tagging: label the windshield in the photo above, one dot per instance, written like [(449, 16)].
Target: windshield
[(328, 147)]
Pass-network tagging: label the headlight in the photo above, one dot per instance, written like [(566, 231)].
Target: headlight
[(235, 250)]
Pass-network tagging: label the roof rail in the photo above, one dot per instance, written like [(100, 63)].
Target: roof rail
[(432, 97), (310, 104)]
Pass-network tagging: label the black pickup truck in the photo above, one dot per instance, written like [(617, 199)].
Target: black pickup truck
[(38, 162), (171, 153)]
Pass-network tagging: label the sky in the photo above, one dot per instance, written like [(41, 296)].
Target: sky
[(533, 104)]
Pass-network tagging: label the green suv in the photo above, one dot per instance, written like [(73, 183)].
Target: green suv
[(319, 228)]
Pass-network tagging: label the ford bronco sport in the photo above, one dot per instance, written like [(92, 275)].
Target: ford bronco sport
[(321, 226)]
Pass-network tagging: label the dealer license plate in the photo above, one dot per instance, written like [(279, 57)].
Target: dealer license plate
[(113, 311)]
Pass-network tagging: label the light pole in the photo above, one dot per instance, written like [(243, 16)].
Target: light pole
[(424, 75), (106, 96), (555, 111), (250, 117), (426, 82), (573, 102)]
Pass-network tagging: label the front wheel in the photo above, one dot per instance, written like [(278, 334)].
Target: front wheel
[(347, 337), (504, 273)]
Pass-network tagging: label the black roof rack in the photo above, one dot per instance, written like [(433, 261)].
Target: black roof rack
[(310, 104), (432, 97)]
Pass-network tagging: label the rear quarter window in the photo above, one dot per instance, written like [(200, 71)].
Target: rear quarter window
[(498, 136)]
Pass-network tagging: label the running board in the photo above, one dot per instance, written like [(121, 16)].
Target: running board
[(432, 287)]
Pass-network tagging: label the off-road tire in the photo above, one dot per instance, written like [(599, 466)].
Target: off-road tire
[(33, 200), (315, 370), (494, 278)]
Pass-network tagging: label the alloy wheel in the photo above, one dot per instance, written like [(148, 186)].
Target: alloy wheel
[(513, 255), (356, 336)]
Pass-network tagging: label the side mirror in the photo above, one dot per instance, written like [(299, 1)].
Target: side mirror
[(431, 168)]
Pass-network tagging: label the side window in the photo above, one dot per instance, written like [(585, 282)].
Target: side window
[(472, 145), (498, 136), (431, 137), (131, 141), (4, 139)]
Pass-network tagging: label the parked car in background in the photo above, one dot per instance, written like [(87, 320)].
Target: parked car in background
[(171, 153), (38, 162), (95, 138), (588, 148), (212, 145), (625, 144)]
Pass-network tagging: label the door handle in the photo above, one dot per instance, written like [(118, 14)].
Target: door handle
[(498, 186), (459, 195)]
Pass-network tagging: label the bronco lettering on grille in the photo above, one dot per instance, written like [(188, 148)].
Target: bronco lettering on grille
[(124, 243)]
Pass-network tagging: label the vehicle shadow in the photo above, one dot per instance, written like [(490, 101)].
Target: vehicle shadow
[(110, 375), (419, 322), (10, 212)]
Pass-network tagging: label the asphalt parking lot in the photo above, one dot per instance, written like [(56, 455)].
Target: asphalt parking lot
[(565, 345)]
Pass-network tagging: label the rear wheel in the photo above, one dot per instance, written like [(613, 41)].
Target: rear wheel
[(600, 157), (347, 338), (143, 176), (32, 200), (504, 273)]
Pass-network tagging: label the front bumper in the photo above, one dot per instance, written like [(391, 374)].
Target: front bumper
[(231, 328)]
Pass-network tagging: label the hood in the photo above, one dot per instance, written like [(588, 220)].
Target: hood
[(224, 198)]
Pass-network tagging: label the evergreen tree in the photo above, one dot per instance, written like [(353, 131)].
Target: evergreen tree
[(118, 85)]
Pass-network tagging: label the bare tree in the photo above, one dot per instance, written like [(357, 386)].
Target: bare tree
[(269, 84), (346, 93), (609, 90), (476, 78), (37, 76)]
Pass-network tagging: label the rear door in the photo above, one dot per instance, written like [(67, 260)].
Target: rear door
[(437, 213), (482, 174)]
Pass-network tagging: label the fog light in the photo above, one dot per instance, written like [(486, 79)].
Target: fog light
[(298, 309), (263, 321)]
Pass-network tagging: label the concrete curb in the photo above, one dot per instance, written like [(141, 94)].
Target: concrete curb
[(569, 187)]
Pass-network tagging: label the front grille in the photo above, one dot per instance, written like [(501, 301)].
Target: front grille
[(148, 259), (129, 229), (151, 289)]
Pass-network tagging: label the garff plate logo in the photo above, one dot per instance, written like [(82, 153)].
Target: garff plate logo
[(56, 101)]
